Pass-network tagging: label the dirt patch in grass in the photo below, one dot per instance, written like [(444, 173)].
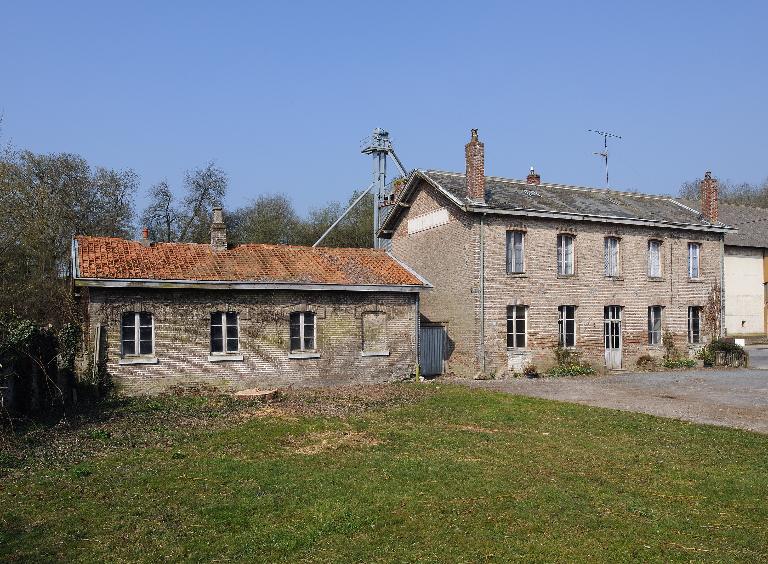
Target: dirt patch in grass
[(317, 443), (128, 423), (349, 400)]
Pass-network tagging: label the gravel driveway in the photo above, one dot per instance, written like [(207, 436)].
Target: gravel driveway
[(732, 398)]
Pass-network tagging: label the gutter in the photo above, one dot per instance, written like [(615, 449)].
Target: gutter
[(235, 285)]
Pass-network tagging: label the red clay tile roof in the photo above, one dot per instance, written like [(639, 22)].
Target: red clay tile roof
[(119, 259)]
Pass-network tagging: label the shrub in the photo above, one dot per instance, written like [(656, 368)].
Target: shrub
[(530, 371), (570, 370), (646, 362), (679, 363), (568, 364)]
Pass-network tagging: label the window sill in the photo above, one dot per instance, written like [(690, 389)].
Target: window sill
[(374, 353), (617, 278), (655, 279), (695, 280), (517, 350), (566, 276), (517, 274), (303, 355), (225, 358), (138, 360)]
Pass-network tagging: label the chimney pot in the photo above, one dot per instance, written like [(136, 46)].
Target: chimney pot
[(145, 237), (709, 198), (218, 230), (533, 177), (475, 157)]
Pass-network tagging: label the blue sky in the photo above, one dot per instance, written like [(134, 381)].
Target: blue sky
[(280, 94)]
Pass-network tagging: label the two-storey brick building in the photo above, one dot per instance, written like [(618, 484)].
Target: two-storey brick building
[(520, 267)]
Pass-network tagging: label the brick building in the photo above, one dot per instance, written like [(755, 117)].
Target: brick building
[(162, 315), (520, 267)]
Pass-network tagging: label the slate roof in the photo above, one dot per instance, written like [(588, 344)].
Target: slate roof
[(509, 194), (119, 259), (751, 222)]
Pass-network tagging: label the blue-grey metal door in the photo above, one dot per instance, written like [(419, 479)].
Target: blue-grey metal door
[(432, 349)]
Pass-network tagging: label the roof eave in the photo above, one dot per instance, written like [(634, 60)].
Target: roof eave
[(598, 218), (239, 285)]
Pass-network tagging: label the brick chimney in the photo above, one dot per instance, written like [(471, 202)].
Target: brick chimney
[(533, 177), (709, 195), (218, 231), (475, 153), (145, 237)]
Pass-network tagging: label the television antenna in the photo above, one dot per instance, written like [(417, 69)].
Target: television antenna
[(604, 152)]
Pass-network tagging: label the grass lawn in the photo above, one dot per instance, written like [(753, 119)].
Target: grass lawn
[(409, 472)]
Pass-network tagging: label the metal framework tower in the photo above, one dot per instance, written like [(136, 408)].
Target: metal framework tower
[(378, 145)]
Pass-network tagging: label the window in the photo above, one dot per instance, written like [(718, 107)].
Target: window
[(565, 255), (374, 332), (515, 264), (136, 333), (654, 259), (225, 332), (302, 331), (566, 325), (611, 256), (694, 325), (516, 326), (654, 325), (694, 252)]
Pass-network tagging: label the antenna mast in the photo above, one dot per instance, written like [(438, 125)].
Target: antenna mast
[(604, 152)]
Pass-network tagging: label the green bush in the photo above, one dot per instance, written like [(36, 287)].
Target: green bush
[(679, 363), (570, 370)]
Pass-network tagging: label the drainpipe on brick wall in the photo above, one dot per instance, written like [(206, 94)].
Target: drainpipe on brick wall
[(418, 341), (482, 294), (722, 286)]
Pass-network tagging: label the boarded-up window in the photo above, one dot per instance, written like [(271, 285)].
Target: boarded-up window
[(374, 331)]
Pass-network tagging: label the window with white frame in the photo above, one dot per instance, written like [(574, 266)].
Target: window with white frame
[(225, 332), (302, 331), (694, 325), (515, 250), (611, 256), (654, 258), (516, 326), (565, 254), (654, 325), (694, 256), (566, 325), (136, 333)]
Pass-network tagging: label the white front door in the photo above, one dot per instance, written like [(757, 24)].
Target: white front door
[(612, 331)]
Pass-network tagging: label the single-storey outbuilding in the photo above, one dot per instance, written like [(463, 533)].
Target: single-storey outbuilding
[(164, 315)]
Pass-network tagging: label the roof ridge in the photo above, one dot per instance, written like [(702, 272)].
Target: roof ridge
[(203, 245), (562, 186)]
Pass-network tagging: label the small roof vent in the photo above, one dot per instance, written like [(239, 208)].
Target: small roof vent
[(532, 193)]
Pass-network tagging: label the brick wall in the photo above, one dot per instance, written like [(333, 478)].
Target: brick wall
[(448, 256), (182, 338)]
